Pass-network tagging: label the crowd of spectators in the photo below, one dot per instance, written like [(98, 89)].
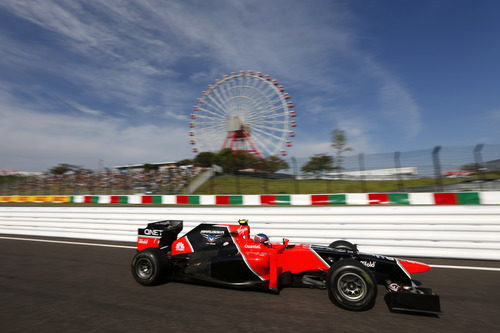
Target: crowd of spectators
[(171, 180)]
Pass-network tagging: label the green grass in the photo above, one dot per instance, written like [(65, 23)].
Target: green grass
[(228, 184)]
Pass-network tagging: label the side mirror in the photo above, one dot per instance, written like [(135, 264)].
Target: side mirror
[(285, 241)]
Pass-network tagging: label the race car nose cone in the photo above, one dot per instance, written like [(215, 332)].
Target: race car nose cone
[(414, 266)]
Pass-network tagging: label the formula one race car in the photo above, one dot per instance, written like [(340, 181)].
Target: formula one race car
[(226, 255)]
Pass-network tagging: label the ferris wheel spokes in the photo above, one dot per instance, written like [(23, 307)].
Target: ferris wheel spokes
[(245, 111)]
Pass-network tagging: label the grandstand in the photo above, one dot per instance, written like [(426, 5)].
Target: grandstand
[(163, 178), (140, 167)]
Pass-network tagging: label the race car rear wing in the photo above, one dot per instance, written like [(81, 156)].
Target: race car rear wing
[(158, 234)]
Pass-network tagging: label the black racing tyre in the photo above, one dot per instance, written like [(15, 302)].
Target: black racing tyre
[(342, 244), (351, 285), (148, 267)]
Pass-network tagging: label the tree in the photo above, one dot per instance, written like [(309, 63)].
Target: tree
[(223, 159), (319, 163), (62, 168), (233, 161), (185, 161), (204, 159), (149, 167), (272, 164), (339, 145)]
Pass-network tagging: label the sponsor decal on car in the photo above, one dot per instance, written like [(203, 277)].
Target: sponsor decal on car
[(212, 235), (394, 287), (179, 247), (252, 246), (182, 245), (215, 232), (384, 257), (153, 232), (370, 264)]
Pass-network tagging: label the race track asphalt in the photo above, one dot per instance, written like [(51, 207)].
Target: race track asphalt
[(51, 287)]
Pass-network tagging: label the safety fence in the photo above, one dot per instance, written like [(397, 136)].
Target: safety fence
[(440, 198), (465, 231)]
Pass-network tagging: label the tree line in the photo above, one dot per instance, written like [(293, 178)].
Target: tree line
[(233, 161)]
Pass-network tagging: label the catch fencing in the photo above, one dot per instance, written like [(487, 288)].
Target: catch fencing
[(438, 169), (468, 231)]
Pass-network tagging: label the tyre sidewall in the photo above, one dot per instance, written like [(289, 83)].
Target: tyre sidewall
[(354, 268), (153, 257)]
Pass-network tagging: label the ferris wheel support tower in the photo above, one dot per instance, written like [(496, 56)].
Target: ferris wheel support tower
[(238, 137)]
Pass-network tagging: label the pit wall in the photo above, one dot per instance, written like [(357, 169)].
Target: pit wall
[(452, 198)]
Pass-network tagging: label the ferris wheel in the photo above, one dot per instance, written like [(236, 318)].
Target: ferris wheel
[(244, 111)]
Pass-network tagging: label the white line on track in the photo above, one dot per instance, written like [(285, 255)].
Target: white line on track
[(476, 268), (66, 242)]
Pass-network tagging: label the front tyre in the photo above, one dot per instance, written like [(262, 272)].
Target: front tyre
[(148, 267), (351, 285)]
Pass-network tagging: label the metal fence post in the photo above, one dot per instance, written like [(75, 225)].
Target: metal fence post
[(295, 182), (361, 158), (397, 163), (437, 168), (479, 161), (211, 180)]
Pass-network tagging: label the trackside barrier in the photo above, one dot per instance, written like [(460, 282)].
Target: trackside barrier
[(452, 198), (445, 231)]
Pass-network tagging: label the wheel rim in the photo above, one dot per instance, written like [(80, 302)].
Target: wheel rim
[(144, 268), (351, 286)]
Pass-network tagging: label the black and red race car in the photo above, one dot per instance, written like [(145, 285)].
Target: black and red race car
[(226, 255)]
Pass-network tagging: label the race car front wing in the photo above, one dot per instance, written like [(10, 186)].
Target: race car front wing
[(414, 299)]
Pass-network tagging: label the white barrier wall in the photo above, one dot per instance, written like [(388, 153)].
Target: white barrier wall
[(469, 231)]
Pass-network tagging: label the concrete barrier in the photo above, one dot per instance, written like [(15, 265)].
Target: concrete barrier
[(465, 231)]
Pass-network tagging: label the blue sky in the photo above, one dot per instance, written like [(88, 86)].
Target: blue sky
[(115, 81)]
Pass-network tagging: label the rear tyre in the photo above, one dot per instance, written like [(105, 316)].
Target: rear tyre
[(342, 244), (148, 267), (351, 285)]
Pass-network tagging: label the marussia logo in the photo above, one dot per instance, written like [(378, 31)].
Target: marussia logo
[(212, 232), (179, 247), (212, 235), (211, 238)]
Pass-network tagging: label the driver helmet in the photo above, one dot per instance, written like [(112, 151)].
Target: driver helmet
[(261, 238)]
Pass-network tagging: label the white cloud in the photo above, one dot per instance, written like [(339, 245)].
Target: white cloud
[(399, 108), (176, 115), (84, 109), (154, 58), (306, 149), (37, 141), (357, 131)]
